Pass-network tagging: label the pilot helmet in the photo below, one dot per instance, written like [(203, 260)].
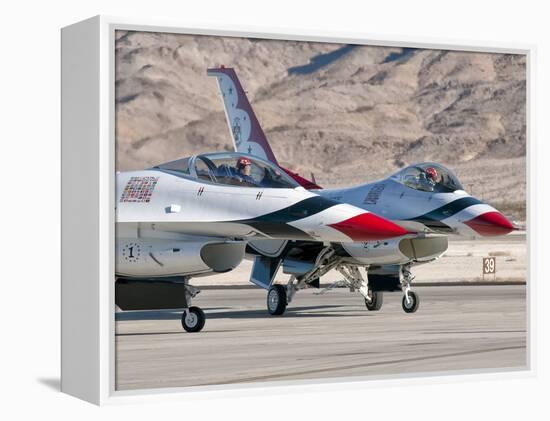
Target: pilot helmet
[(431, 173), (243, 162)]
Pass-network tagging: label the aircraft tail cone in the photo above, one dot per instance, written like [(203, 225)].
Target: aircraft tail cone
[(369, 227), (490, 224)]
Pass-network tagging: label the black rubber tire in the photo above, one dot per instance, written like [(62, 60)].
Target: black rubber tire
[(276, 300), (195, 323), (376, 302), (413, 305)]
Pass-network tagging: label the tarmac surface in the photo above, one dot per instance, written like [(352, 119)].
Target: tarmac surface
[(323, 336)]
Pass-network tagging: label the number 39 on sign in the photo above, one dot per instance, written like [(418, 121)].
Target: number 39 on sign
[(489, 266)]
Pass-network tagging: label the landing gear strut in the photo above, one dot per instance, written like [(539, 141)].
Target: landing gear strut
[(410, 300), (372, 290), (193, 318), (279, 296), (355, 281)]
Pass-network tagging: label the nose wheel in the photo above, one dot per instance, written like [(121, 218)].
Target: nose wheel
[(193, 319), (410, 302), (276, 300)]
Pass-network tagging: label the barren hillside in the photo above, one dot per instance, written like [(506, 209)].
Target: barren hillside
[(349, 114)]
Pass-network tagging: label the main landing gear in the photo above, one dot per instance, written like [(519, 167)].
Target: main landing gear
[(354, 280), (192, 318), (374, 300), (276, 300), (373, 292), (372, 287), (279, 296)]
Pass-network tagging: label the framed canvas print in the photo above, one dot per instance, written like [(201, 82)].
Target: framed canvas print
[(245, 209)]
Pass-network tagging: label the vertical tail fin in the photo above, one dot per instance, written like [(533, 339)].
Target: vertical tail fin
[(246, 132)]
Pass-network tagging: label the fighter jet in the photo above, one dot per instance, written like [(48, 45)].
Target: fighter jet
[(194, 217), (426, 198)]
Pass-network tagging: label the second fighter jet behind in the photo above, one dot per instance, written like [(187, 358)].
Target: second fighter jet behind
[(425, 198)]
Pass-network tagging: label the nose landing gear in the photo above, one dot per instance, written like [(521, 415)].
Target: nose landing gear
[(192, 318), (410, 300)]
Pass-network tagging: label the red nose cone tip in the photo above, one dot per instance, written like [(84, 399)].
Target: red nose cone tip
[(490, 224), (368, 226)]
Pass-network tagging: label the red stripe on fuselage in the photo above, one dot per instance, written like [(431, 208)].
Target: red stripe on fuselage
[(490, 224), (369, 227)]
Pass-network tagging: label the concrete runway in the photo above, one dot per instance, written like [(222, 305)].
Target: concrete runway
[(322, 336)]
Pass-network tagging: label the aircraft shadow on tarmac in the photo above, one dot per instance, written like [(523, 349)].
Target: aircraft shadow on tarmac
[(343, 311)]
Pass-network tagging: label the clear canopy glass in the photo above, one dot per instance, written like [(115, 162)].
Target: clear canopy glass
[(430, 177), (235, 169), (179, 165)]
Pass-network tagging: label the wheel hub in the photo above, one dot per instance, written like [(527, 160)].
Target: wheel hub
[(273, 300), (191, 319)]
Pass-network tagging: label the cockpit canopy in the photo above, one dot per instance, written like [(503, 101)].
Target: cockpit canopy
[(429, 177), (235, 169)]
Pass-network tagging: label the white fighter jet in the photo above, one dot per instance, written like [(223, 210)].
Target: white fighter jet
[(194, 217), (425, 198)]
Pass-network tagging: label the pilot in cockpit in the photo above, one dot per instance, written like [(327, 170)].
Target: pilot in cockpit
[(243, 170), (428, 178), (431, 174)]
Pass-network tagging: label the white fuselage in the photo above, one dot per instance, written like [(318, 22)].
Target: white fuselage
[(419, 211), (169, 225)]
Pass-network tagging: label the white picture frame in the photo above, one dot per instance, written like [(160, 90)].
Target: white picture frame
[(88, 195)]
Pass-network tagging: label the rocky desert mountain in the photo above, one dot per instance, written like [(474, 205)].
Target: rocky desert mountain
[(348, 114)]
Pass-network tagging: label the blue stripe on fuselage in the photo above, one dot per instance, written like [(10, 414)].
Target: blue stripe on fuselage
[(276, 224), (447, 210)]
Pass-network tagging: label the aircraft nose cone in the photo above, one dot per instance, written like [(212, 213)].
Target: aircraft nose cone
[(369, 227), (490, 224)]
